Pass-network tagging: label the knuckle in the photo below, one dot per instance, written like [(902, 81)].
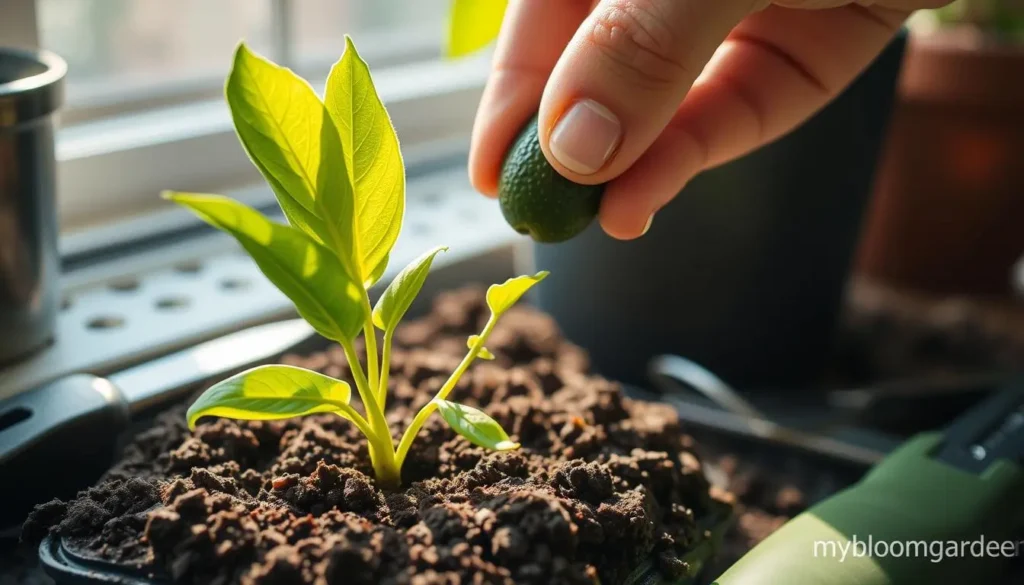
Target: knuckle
[(636, 37)]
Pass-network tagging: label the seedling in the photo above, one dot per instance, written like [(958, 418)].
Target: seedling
[(336, 170)]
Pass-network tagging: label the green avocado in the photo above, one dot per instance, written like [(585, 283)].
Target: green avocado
[(539, 202)]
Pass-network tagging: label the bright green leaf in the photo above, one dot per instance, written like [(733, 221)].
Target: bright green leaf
[(306, 272), (475, 426), (270, 393), (290, 137), (377, 274), (402, 291), (502, 296), (484, 353), (473, 24), (372, 156)]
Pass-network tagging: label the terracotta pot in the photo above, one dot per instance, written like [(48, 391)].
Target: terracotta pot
[(948, 213)]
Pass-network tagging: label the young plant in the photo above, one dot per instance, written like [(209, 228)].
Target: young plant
[(336, 170)]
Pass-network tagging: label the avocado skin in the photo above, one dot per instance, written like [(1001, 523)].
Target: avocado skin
[(536, 200)]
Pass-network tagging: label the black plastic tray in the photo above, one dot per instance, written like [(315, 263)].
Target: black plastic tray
[(67, 568), (831, 472)]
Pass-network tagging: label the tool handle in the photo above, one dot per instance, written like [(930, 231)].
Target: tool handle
[(56, 439), (909, 501)]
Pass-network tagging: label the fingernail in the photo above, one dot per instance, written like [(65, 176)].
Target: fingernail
[(647, 226), (585, 137)]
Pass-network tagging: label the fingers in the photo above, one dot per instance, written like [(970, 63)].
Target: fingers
[(775, 70), (622, 78), (532, 38)]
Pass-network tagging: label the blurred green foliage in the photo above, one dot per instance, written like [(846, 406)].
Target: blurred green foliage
[(1001, 19)]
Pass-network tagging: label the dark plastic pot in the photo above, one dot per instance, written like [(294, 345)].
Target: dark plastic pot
[(31, 91), (744, 271), (66, 567)]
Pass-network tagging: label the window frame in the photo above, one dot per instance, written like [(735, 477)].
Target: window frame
[(115, 158)]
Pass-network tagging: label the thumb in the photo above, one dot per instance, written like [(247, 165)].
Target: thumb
[(623, 76)]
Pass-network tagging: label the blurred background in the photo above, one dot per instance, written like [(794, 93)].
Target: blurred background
[(148, 51)]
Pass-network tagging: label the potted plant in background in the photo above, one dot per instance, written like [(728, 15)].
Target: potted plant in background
[(948, 205)]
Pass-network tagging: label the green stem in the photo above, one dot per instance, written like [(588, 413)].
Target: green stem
[(346, 411), (385, 368), (370, 335), (383, 461), (428, 409), (382, 451), (373, 412)]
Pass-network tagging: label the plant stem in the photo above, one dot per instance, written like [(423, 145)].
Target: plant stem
[(449, 385), (382, 449), (370, 335), (385, 368), (346, 411)]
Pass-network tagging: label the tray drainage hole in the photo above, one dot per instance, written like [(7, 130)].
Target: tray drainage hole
[(14, 416), (235, 284), (123, 285), (172, 303), (190, 267), (105, 323)]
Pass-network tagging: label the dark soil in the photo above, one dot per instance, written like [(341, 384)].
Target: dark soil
[(292, 501), (601, 484)]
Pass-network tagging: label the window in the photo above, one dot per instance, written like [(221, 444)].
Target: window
[(144, 108), (129, 52)]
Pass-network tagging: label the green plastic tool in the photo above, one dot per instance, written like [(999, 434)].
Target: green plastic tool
[(942, 508)]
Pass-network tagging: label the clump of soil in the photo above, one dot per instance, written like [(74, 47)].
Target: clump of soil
[(601, 484)]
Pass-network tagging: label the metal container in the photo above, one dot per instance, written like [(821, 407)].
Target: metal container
[(31, 91), (744, 271)]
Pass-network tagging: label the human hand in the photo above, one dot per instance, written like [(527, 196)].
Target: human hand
[(645, 94)]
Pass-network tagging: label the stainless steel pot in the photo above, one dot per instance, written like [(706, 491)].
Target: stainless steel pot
[(31, 91)]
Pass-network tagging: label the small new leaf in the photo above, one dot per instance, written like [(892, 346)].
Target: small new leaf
[(500, 297), (473, 24), (289, 135), (270, 393), (402, 291), (306, 272), (484, 353), (475, 426), (373, 159)]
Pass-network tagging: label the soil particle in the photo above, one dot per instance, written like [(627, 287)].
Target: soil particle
[(600, 484)]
